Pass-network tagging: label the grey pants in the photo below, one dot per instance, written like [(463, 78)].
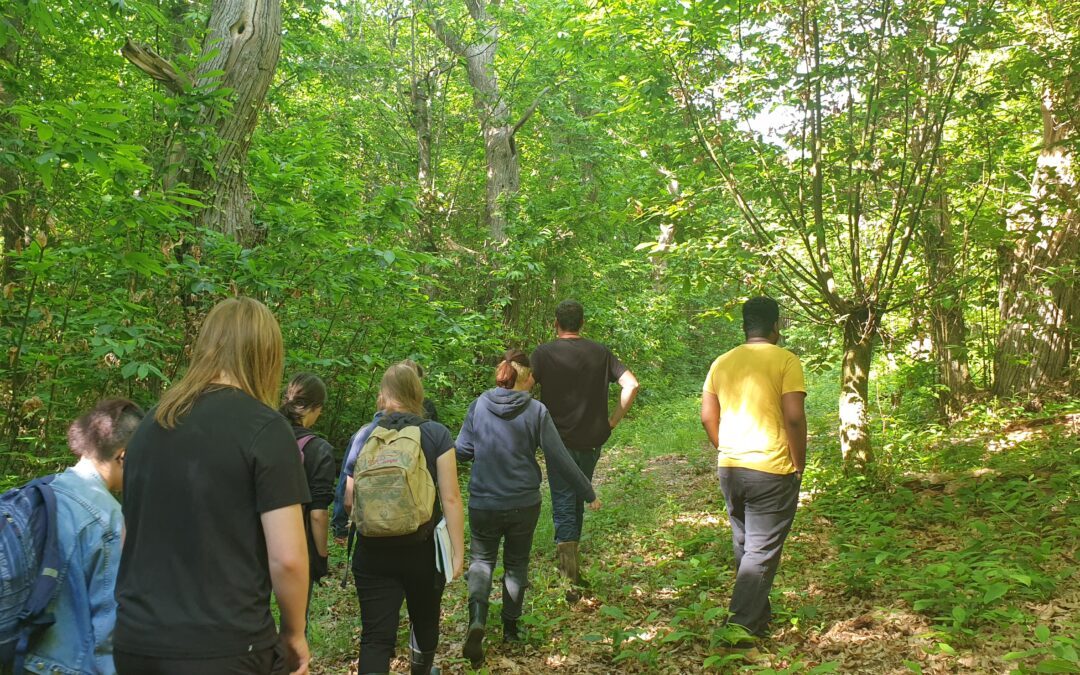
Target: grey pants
[(761, 507)]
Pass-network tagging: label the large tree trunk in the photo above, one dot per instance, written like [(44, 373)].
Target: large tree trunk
[(1038, 298), (493, 108), (860, 330), (242, 43), (948, 330)]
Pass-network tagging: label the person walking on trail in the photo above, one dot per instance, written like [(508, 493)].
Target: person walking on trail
[(343, 497), (394, 558), (302, 405), (500, 434), (752, 408), (89, 528), (574, 374), (213, 488)]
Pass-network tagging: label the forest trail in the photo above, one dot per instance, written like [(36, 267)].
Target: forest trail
[(967, 568)]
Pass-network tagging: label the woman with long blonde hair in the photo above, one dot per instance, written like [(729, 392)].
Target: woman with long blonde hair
[(390, 569), (213, 487)]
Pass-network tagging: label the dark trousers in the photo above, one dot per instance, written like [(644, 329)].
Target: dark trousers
[(386, 576), (515, 528), (567, 508), (339, 519), (265, 662), (761, 507)]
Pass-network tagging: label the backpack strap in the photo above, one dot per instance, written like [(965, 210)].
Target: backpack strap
[(33, 618), (302, 443)]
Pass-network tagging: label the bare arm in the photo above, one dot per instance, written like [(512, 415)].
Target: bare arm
[(320, 529), (629, 392), (287, 552), (453, 511), (794, 407), (710, 417), (348, 494)]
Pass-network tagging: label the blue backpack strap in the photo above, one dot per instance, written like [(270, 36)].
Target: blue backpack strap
[(34, 618)]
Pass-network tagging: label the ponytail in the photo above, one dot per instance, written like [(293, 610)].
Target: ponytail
[(515, 365)]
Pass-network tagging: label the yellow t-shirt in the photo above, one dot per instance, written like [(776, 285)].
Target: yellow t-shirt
[(749, 381)]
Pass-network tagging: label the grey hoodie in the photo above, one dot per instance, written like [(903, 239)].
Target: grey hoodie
[(500, 435)]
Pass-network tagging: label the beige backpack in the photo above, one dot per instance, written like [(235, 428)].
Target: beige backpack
[(393, 493)]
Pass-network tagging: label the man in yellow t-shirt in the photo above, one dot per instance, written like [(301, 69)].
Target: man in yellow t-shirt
[(752, 408)]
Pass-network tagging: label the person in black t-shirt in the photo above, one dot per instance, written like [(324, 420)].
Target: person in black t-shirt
[(574, 375), (213, 488), (302, 405), (391, 569)]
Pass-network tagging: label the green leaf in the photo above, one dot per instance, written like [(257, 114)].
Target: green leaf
[(995, 591), (1042, 633), (612, 611), (1057, 666)]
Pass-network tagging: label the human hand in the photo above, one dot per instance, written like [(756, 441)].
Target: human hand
[(459, 564), (595, 504), (320, 567), (297, 656)]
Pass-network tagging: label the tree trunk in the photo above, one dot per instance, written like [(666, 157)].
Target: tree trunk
[(1038, 302), (860, 330), (246, 36), (12, 204), (242, 43), (948, 331)]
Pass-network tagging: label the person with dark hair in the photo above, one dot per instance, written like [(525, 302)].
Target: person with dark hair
[(753, 411), (89, 527), (574, 374), (213, 495), (302, 405), (500, 434)]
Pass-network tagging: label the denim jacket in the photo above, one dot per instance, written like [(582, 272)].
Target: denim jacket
[(89, 527)]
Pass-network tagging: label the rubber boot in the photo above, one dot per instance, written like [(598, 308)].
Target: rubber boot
[(423, 663), (570, 567), (511, 631), (474, 640)]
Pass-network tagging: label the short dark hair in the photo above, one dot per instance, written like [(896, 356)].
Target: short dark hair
[(759, 316), (306, 391), (571, 315), (106, 428)]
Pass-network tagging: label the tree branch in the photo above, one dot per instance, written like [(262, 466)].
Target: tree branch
[(148, 61), (529, 113)]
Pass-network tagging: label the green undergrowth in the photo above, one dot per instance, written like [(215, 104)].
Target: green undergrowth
[(956, 554)]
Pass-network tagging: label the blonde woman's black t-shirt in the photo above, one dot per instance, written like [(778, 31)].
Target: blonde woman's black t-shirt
[(574, 375), (194, 577)]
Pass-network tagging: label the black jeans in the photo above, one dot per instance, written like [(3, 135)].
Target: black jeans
[(266, 662), (386, 576), (761, 507), (567, 508), (515, 527)]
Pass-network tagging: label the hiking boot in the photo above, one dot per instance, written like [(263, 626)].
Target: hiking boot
[(423, 663), (569, 562), (512, 631), (474, 640)]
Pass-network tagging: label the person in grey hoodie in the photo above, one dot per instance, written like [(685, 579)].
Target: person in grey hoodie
[(500, 434)]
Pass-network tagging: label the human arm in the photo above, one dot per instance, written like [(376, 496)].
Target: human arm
[(453, 510), (101, 555), (710, 417), (287, 554), (463, 447), (629, 392), (559, 461), (794, 409), (322, 494)]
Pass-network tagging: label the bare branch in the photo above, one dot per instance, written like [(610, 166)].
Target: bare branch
[(528, 113), (148, 61)]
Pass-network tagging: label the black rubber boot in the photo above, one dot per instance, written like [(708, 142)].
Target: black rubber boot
[(423, 663), (474, 640), (511, 631)]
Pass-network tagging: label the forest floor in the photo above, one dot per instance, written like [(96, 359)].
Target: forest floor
[(962, 559)]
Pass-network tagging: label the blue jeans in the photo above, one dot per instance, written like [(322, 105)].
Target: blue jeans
[(514, 527), (761, 507), (339, 521), (567, 508)]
